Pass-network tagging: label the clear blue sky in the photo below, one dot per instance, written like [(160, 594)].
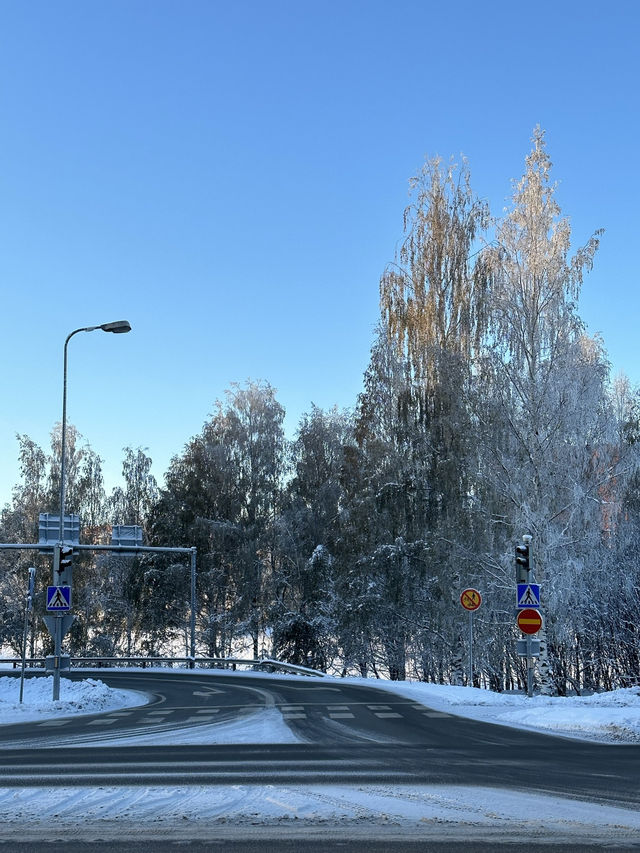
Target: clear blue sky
[(231, 176)]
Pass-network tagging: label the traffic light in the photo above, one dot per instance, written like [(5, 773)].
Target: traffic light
[(66, 553), (523, 563), (62, 555)]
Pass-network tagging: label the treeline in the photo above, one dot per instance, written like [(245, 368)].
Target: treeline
[(486, 412)]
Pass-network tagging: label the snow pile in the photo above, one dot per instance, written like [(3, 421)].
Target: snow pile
[(89, 696)]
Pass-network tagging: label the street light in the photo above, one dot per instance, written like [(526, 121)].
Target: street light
[(118, 327), (60, 556)]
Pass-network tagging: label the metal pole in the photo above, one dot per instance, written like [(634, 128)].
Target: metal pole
[(27, 611), (529, 668), (193, 606), (56, 659), (470, 674)]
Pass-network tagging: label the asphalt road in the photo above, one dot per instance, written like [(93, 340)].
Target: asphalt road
[(350, 734)]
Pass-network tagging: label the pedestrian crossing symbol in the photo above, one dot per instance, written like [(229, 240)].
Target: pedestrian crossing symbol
[(528, 595), (59, 598)]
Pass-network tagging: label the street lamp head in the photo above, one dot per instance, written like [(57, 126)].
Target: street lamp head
[(117, 327)]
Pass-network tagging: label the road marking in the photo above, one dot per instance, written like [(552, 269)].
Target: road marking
[(338, 707), (52, 723), (341, 715), (285, 708), (200, 719), (152, 713), (281, 804), (209, 711), (436, 714), (388, 715), (379, 707), (294, 716), (105, 721)]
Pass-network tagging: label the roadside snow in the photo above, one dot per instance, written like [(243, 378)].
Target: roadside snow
[(76, 697), (178, 813)]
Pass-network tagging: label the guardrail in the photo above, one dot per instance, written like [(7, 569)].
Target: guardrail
[(263, 664)]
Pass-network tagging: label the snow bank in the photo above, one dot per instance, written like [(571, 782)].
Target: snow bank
[(89, 696)]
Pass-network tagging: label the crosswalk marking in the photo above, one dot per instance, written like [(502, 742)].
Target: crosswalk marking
[(388, 715), (435, 714), (341, 715), (379, 707), (51, 723), (105, 721), (209, 711)]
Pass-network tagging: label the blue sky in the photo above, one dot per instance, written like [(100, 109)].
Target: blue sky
[(231, 176)]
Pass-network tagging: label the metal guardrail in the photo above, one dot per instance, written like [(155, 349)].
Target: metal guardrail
[(263, 664)]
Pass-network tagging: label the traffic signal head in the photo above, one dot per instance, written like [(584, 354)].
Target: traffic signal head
[(522, 557), (66, 553), (523, 563)]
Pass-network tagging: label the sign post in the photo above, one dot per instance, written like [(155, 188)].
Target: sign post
[(27, 612), (471, 600)]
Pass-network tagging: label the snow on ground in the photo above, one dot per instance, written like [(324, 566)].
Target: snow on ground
[(429, 811), (76, 697), (190, 812)]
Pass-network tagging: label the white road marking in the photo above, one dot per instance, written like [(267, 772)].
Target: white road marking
[(379, 707), (52, 723), (388, 715), (341, 715), (436, 714)]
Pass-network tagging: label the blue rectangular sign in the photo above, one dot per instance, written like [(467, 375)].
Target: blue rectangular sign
[(528, 595), (58, 598)]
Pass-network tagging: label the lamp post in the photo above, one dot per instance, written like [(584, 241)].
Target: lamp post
[(117, 327)]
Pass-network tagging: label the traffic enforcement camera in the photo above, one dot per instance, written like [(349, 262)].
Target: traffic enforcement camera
[(523, 562)]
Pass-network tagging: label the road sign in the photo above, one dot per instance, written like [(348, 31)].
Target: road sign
[(470, 599), (64, 620), (530, 650), (529, 621), (528, 595), (58, 598)]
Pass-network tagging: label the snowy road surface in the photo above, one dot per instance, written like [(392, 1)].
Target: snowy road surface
[(417, 811)]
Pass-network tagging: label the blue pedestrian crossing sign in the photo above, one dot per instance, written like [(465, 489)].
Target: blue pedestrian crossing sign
[(59, 598), (528, 595)]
